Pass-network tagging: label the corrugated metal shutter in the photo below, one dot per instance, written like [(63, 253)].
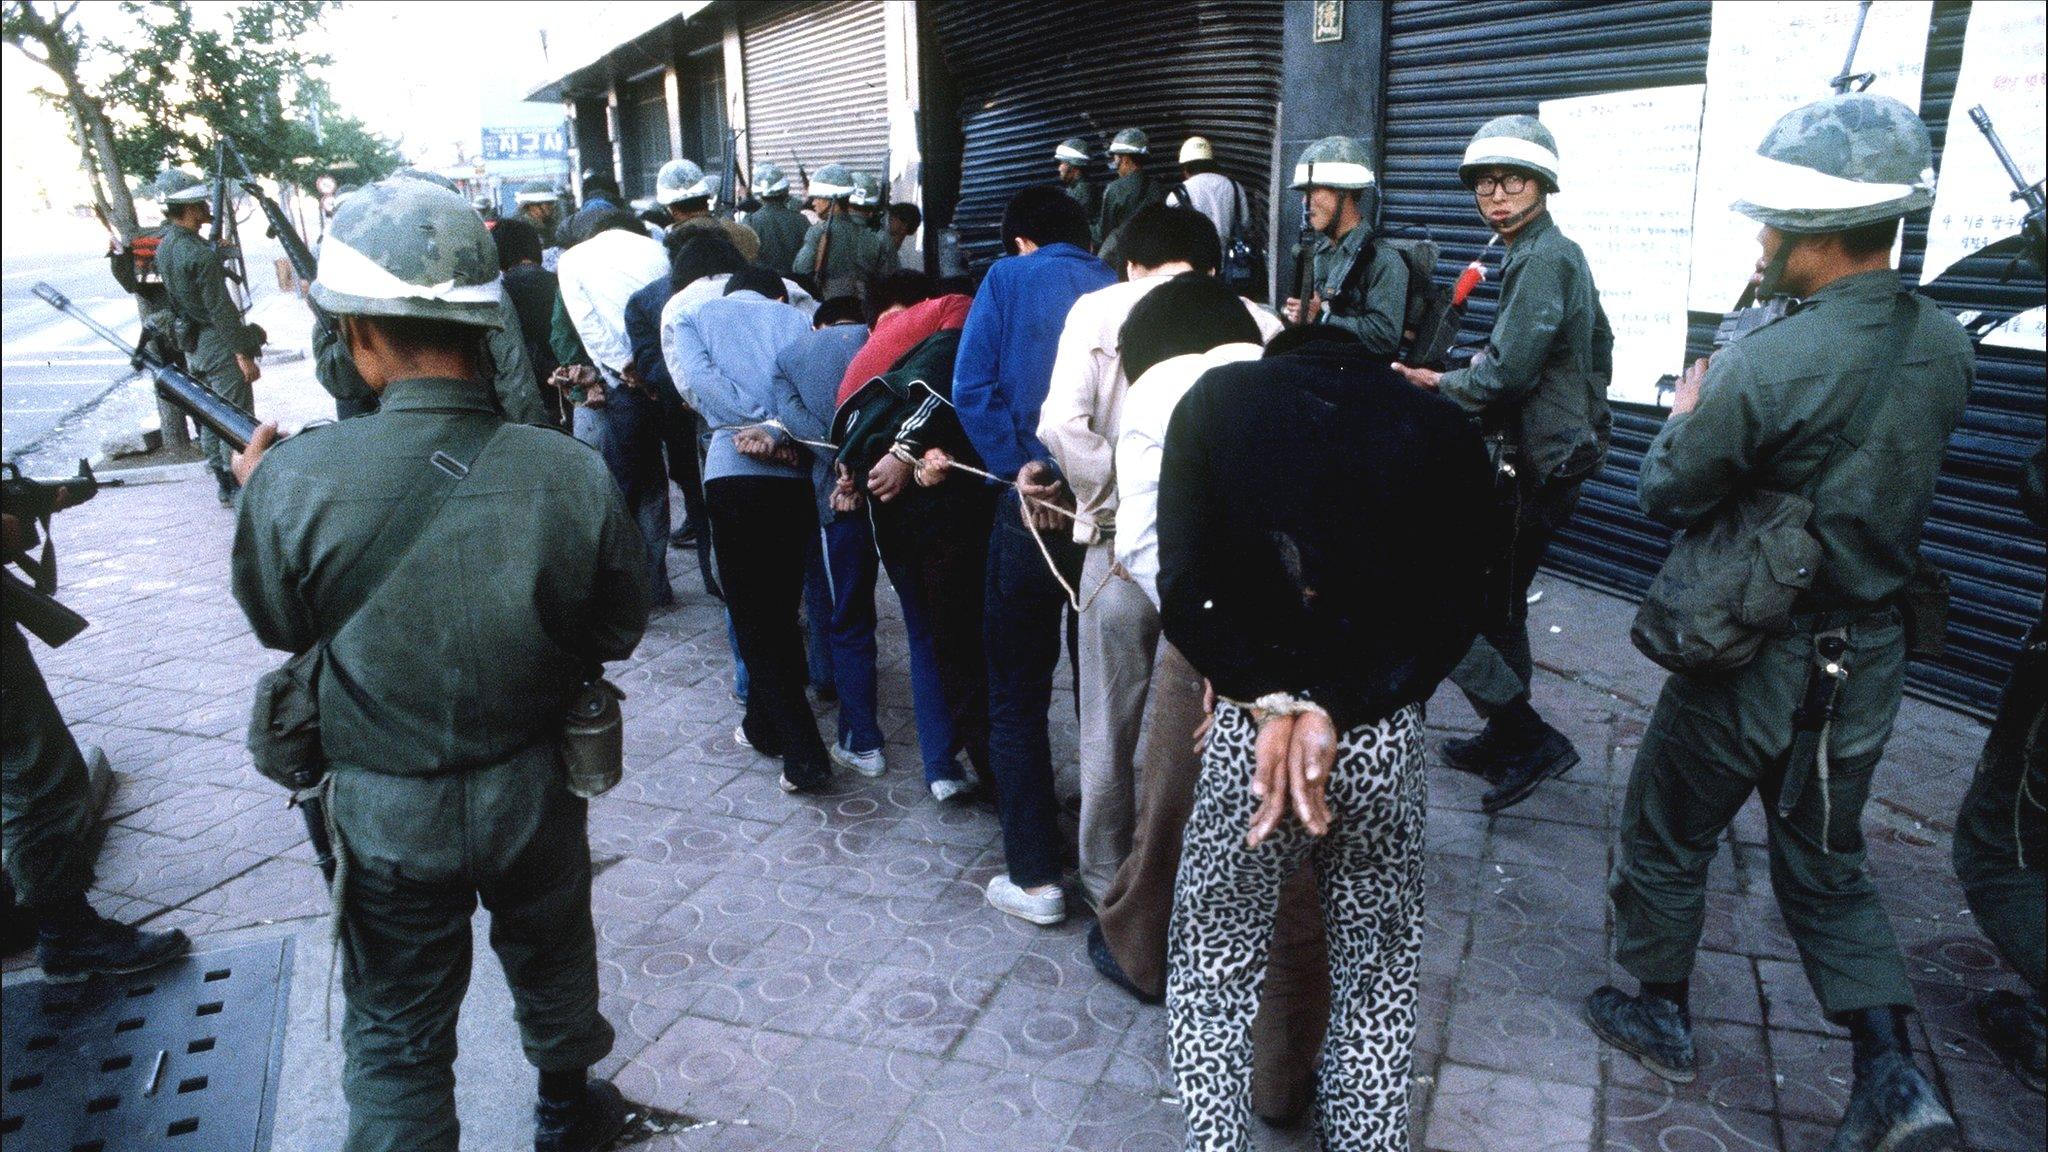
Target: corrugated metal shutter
[(1032, 74), (644, 133), (815, 87), (1452, 66)]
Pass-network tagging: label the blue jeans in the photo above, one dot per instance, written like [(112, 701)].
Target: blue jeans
[(1021, 630), (851, 551), (818, 663), (632, 453)]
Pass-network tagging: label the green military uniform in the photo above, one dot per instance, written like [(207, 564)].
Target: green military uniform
[(856, 255), (1121, 201), (1771, 407), (46, 805), (1369, 302), (1089, 196), (782, 230), (504, 363), (196, 286), (441, 703)]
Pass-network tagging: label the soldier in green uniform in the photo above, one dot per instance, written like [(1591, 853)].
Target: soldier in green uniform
[(780, 227), (220, 350), (854, 255), (864, 203), (1360, 286), (542, 206), (465, 576), (1540, 387), (680, 187), (1072, 158), (1132, 189), (1771, 413)]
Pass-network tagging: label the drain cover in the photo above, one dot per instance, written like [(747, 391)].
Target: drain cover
[(184, 1057)]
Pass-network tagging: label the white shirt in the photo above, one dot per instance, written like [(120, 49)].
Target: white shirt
[(596, 278), (1213, 195), (1141, 445)]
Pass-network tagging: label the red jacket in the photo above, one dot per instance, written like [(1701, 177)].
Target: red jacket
[(897, 335)]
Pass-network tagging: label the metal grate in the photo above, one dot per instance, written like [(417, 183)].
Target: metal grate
[(182, 1058)]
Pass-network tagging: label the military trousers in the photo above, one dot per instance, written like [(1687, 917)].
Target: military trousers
[(2001, 844), (46, 806), (421, 852), (1498, 668), (213, 364), (1714, 740)]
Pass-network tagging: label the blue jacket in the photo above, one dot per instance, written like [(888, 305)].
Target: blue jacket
[(643, 332), (723, 363), (807, 375), (1007, 349)]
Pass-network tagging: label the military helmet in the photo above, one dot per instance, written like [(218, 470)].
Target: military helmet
[(405, 247), (833, 182), (769, 180), (1196, 148), (177, 186), (867, 190), (1073, 151), (1334, 162), (1520, 142), (1130, 142), (1840, 163), (425, 177), (681, 180), (537, 192)]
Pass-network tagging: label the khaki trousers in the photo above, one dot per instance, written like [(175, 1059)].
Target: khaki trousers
[(1119, 636)]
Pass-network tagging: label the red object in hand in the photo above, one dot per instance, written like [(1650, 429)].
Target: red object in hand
[(1467, 281)]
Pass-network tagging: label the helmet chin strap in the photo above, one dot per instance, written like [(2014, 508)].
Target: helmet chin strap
[(1503, 227), (1774, 271)]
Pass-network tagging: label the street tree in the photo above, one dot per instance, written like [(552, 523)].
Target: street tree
[(50, 35)]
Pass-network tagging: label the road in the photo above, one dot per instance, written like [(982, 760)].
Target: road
[(51, 365)]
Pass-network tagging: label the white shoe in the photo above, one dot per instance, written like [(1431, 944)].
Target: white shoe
[(739, 737), (944, 790), (1045, 908), (868, 764)]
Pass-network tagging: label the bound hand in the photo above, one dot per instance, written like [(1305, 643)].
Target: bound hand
[(251, 371), (244, 462), (1311, 753), (1040, 486), (888, 478), (1420, 377), (1270, 777), (754, 443), (1208, 717), (932, 466), (845, 497)]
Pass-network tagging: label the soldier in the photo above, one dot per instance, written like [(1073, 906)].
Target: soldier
[(840, 255), (1834, 179), (540, 203), (780, 227), (477, 619), (1359, 286), (1131, 190), (682, 189), (1540, 389), (865, 202), (220, 350), (1072, 158)]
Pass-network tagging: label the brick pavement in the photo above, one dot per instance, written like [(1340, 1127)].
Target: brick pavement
[(823, 973)]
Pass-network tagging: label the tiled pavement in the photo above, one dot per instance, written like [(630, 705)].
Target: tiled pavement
[(822, 973)]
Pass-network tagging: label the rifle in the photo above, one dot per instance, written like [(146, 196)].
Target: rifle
[(227, 240), (1304, 262), (225, 420), (821, 262), (2034, 229), (35, 606), (281, 227)]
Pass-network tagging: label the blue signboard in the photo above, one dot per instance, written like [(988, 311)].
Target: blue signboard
[(526, 143)]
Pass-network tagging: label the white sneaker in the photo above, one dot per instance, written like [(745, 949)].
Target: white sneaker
[(739, 737), (868, 764), (944, 790), (1045, 908)]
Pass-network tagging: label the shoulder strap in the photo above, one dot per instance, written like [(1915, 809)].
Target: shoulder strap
[(1877, 387), (433, 483)]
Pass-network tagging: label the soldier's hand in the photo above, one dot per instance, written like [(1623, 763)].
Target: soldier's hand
[(889, 476), (251, 371), (1688, 395), (1269, 777), (247, 459), (1420, 377)]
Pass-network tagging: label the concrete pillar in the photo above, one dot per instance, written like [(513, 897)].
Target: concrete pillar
[(1334, 88)]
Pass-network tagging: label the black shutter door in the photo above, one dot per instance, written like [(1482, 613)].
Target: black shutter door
[(815, 88), (1033, 74), (645, 129), (1453, 66)]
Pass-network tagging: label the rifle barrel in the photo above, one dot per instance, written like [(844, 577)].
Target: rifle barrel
[(1982, 120), (197, 400)]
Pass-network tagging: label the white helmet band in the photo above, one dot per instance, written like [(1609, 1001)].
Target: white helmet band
[(1506, 149), (1774, 184), (349, 272)]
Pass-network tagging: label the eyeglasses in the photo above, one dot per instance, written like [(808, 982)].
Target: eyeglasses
[(1514, 184)]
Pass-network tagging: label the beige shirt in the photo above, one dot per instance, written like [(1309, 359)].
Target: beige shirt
[(1079, 420)]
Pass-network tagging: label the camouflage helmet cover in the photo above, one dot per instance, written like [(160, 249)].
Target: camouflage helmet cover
[(1074, 151), (1840, 163), (1130, 142), (832, 182), (405, 247), (769, 180), (681, 180), (537, 192), (425, 177), (1520, 142), (1334, 162), (867, 190), (177, 186)]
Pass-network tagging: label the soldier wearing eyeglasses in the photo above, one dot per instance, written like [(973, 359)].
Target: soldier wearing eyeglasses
[(1540, 388)]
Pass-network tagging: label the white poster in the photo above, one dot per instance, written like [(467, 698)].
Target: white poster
[(1626, 193), (1763, 61), (2003, 64)]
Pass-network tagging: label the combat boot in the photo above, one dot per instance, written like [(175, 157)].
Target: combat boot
[(2014, 1028), (1475, 754), (230, 488), (1892, 1107), (1654, 1030), (76, 943), (1537, 755), (584, 1125)]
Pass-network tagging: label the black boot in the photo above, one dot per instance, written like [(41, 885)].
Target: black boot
[(75, 943), (1475, 754), (17, 923), (1892, 1107), (229, 487), (2014, 1028), (1531, 752), (584, 1124), (1105, 963), (685, 536), (1654, 1029)]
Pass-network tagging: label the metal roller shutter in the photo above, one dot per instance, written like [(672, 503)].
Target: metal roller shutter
[(644, 133), (815, 90), (1033, 74), (1452, 66)]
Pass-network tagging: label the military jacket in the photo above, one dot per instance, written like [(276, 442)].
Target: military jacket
[(1543, 375), (504, 361), (1773, 404), (1089, 197), (196, 284), (531, 576), (1121, 201), (1370, 305), (856, 255), (782, 230)]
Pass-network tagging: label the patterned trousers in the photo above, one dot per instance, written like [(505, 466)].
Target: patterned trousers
[(1369, 877)]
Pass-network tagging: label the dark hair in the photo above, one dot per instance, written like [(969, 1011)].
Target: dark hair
[(758, 278), (1193, 312), (1870, 239), (1044, 214), (908, 213), (961, 285), (518, 240), (699, 254), (691, 204), (1159, 235), (838, 310), (657, 216), (616, 220), (1299, 337), (412, 335), (599, 186), (905, 287)]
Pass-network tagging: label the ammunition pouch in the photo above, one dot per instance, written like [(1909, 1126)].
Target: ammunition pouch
[(1923, 606), (284, 722)]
